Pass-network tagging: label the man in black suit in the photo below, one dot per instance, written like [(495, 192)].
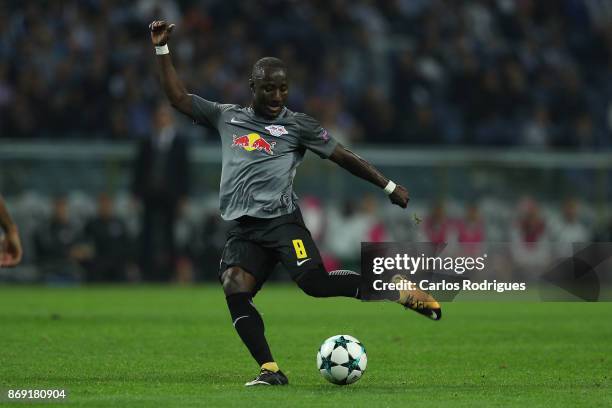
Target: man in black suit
[(108, 238), (58, 246), (161, 183)]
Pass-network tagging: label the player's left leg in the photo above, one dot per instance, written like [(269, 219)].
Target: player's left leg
[(297, 251), (299, 254)]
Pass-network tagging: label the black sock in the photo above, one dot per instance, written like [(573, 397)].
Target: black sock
[(320, 283), (349, 282), (250, 327)]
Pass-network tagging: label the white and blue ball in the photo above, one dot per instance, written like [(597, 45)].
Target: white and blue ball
[(342, 359)]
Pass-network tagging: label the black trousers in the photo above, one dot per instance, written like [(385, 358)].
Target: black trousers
[(157, 242)]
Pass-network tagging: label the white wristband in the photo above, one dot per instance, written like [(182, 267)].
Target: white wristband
[(162, 49), (390, 187)]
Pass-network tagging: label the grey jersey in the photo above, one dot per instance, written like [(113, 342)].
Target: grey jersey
[(260, 156)]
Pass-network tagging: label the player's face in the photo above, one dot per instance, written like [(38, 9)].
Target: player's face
[(270, 92)]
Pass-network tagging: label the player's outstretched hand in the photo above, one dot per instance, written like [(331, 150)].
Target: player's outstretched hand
[(160, 32), (399, 196), (10, 249)]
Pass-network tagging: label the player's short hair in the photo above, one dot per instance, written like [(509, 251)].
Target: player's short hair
[(266, 63)]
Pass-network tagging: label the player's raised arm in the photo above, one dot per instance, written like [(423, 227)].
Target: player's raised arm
[(10, 246), (361, 168), (174, 88)]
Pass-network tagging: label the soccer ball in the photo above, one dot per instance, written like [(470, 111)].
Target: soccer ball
[(342, 359)]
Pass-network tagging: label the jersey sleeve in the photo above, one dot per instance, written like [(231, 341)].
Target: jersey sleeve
[(315, 137), (205, 112)]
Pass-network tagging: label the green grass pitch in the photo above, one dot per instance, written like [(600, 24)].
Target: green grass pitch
[(175, 347)]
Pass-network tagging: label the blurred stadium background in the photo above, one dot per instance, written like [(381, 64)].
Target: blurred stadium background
[(496, 114)]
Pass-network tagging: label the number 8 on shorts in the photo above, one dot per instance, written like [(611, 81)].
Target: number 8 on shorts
[(300, 250)]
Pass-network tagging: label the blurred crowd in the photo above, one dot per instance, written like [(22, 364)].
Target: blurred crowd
[(77, 238), (531, 73)]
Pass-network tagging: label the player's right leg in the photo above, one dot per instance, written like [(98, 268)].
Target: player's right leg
[(239, 286), (243, 270)]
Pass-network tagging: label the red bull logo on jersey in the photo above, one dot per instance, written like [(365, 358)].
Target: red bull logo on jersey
[(253, 141)]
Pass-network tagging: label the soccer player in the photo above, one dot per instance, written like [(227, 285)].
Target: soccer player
[(262, 145), (10, 247)]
